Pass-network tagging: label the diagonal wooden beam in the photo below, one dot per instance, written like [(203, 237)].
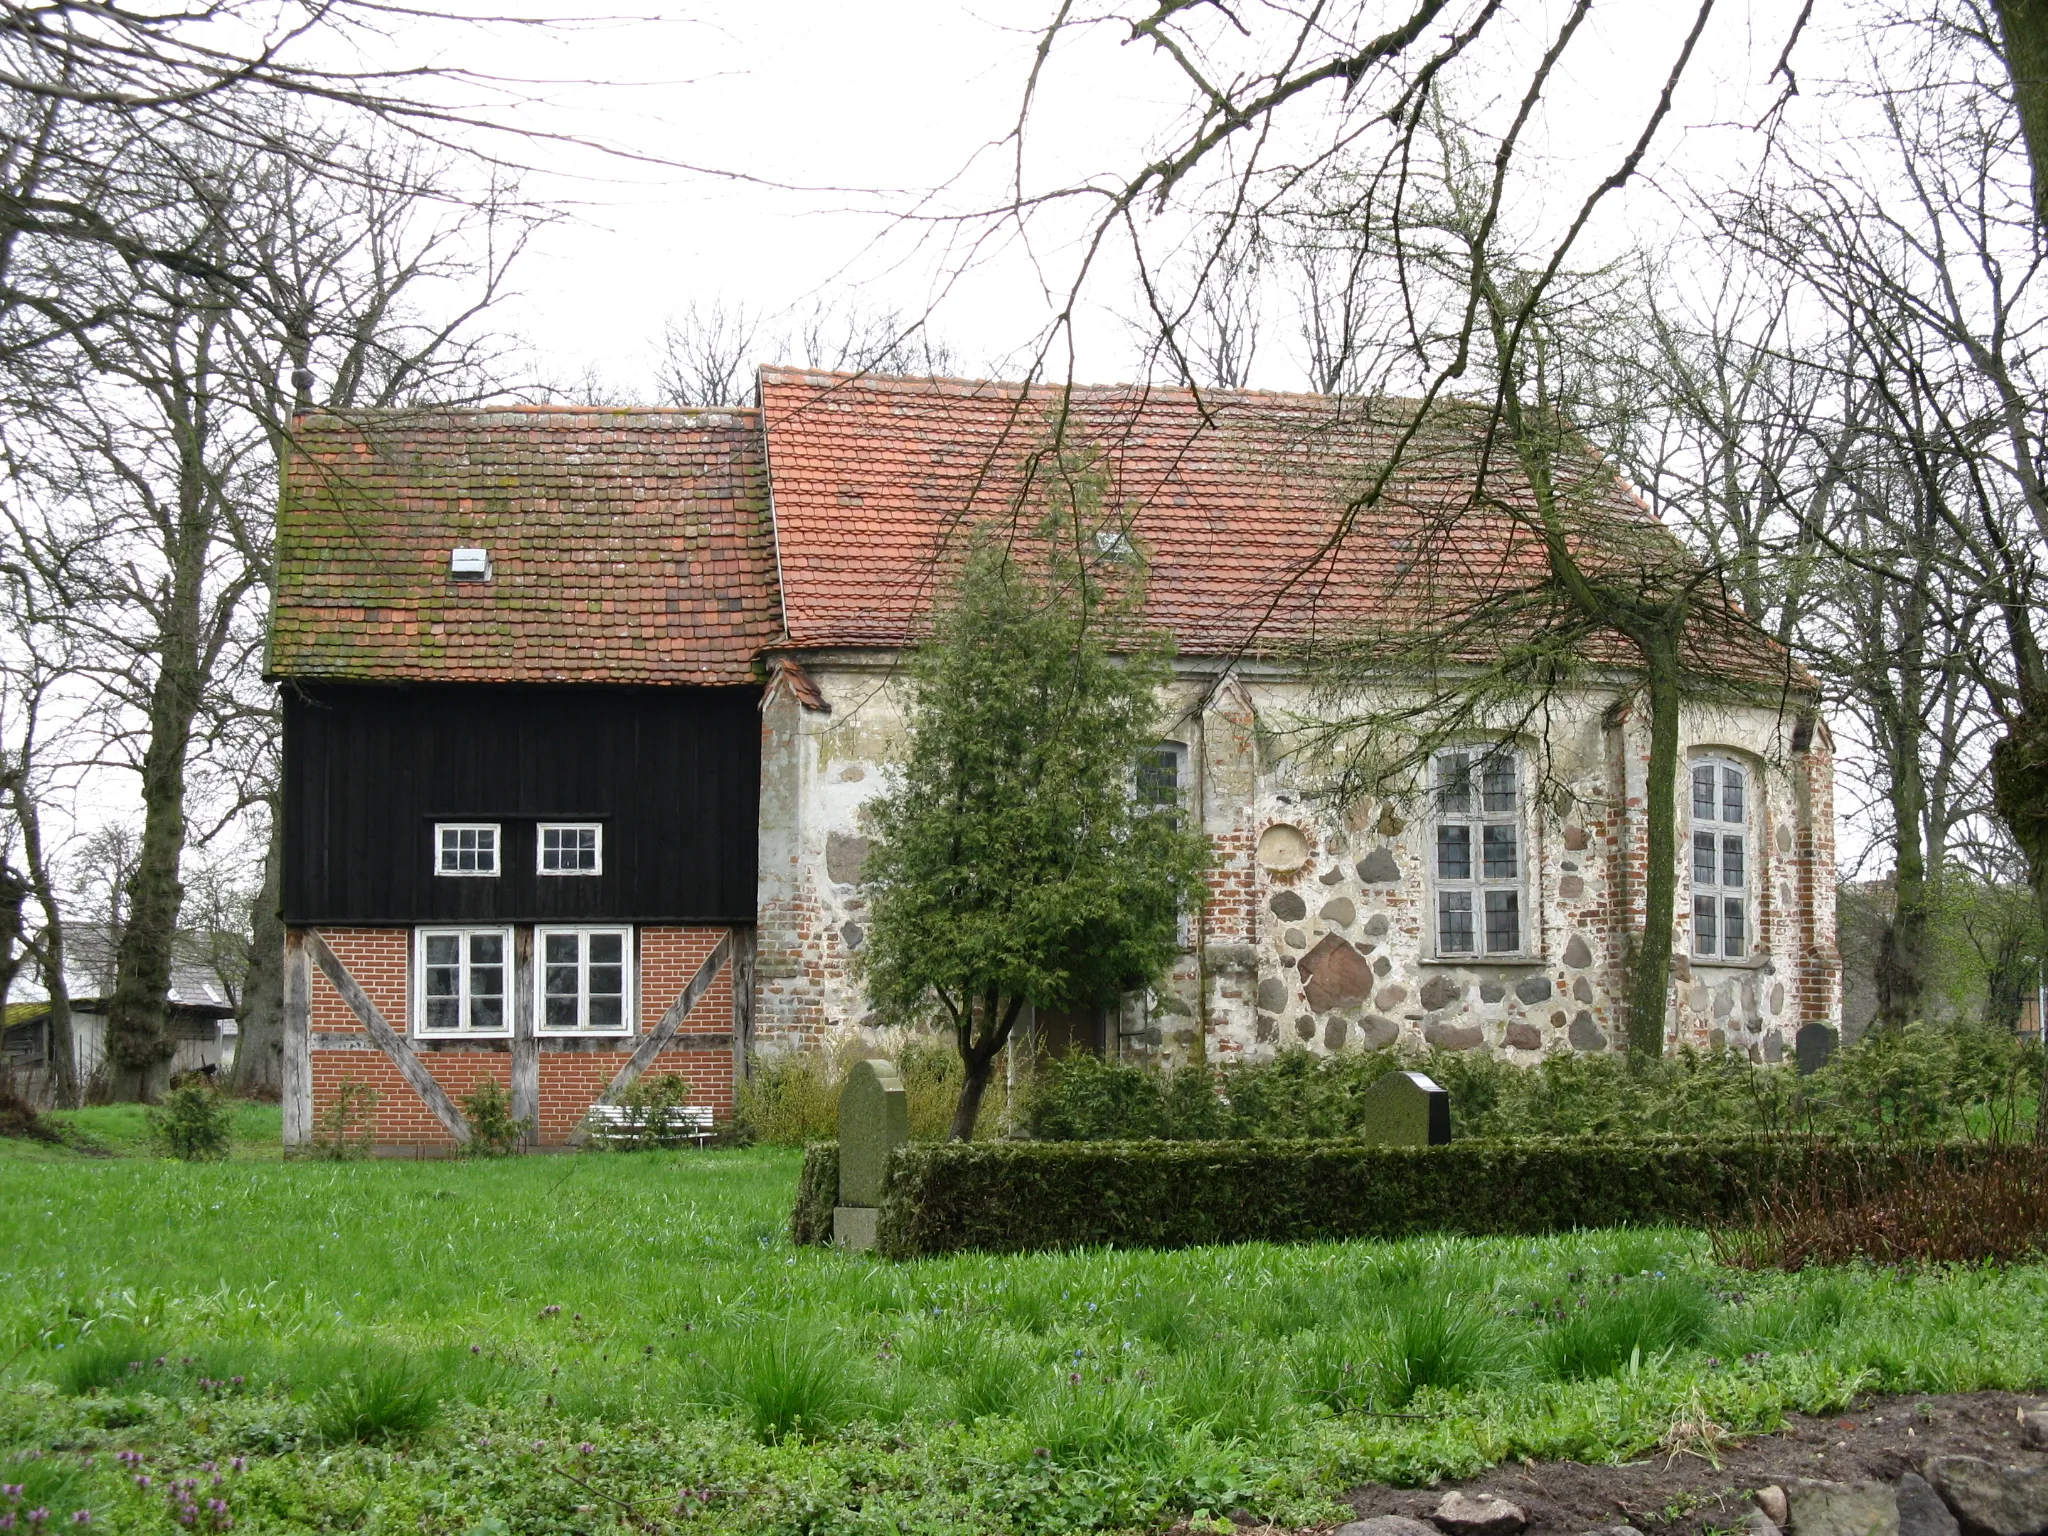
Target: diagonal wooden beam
[(389, 1041), (671, 1021)]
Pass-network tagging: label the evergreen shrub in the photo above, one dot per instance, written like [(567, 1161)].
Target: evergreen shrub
[(194, 1123), (1920, 1083), (1008, 1197)]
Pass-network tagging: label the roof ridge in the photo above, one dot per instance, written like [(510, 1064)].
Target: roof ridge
[(422, 412), (820, 377)]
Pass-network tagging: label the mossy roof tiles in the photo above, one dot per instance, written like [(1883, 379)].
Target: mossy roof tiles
[(635, 546), (625, 547)]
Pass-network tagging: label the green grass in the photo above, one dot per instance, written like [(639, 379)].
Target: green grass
[(541, 1346), (121, 1130)]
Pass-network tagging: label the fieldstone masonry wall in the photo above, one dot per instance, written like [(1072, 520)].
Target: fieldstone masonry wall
[(1317, 933)]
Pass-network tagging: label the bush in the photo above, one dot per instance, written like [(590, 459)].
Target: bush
[(651, 1102), (1017, 1197), (787, 1100), (1917, 1084), (492, 1130), (346, 1127), (817, 1192), (194, 1123), (793, 1099), (1968, 1206)]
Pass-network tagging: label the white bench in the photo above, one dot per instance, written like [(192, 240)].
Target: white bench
[(663, 1127)]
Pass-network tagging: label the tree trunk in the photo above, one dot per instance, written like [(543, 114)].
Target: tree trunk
[(259, 1049), (139, 1043), (138, 1023), (978, 1055), (2019, 794), (63, 1048), (1649, 983), (1902, 948), (967, 1112), (2023, 35)]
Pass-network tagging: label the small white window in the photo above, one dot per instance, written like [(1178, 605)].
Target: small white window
[(465, 848), (1478, 861), (1720, 861), (571, 848), (585, 977), (465, 977)]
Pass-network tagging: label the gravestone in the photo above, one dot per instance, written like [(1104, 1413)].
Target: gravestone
[(1812, 1047), (874, 1120), (1405, 1109)]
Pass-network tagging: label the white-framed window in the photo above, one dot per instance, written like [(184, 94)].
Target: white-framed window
[(465, 981), (584, 977), (466, 848), (1478, 862), (1160, 777), (570, 848), (1720, 860)]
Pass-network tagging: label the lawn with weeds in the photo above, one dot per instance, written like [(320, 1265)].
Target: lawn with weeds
[(537, 1346), (122, 1130)]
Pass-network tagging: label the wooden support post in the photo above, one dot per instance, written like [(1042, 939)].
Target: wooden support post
[(297, 1078), (742, 1002), (525, 1043)]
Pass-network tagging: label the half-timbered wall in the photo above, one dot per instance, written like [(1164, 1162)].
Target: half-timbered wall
[(568, 1075)]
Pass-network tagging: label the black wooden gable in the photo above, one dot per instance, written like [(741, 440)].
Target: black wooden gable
[(671, 774)]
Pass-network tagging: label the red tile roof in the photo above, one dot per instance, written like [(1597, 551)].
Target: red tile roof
[(1239, 500), (625, 546)]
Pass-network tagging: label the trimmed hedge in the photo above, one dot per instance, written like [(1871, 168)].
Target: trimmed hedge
[(1010, 1197), (817, 1191)]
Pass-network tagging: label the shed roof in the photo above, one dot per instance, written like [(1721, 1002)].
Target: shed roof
[(626, 546)]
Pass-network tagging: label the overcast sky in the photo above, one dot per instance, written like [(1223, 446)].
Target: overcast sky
[(873, 116)]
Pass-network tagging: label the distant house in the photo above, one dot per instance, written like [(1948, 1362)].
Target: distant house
[(202, 1015), (582, 706)]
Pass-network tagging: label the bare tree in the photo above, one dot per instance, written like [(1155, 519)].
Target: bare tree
[(151, 460), (708, 355), (1920, 245)]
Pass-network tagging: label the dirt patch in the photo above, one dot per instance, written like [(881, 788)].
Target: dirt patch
[(1686, 1495)]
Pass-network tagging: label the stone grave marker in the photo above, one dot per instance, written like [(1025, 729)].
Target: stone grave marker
[(1405, 1109), (1812, 1047), (874, 1120)]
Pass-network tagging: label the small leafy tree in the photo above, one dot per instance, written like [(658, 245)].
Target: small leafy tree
[(194, 1123), (493, 1132), (1013, 864)]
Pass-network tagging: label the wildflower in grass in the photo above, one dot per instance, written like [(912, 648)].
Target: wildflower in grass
[(81, 1517), (38, 1516), (142, 1479), (586, 1449), (238, 1463), (476, 1349), (7, 1521)]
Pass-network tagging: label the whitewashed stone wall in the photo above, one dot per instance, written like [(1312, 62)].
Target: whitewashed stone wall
[(1316, 933)]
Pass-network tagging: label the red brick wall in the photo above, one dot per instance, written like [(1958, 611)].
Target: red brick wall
[(570, 1080)]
